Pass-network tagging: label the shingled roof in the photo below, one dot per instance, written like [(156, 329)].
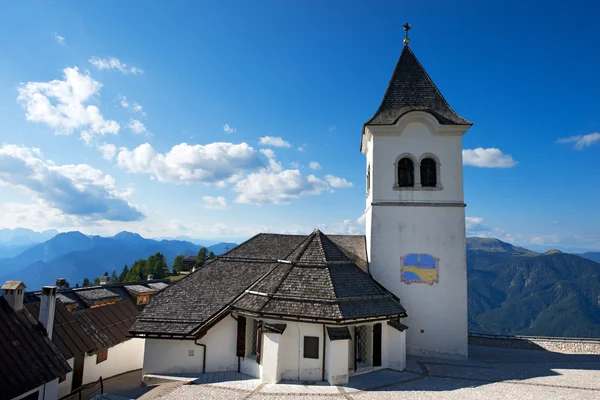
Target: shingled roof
[(411, 89), (301, 276), (28, 357)]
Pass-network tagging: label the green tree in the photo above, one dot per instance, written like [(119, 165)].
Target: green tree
[(86, 282), (124, 273), (96, 281), (178, 263), (211, 256), (202, 254), (106, 273), (113, 276)]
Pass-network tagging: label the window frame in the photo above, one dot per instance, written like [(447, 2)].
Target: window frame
[(396, 170), (313, 353)]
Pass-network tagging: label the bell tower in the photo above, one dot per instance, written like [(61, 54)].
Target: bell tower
[(415, 211)]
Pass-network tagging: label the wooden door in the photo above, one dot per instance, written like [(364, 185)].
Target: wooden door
[(377, 345), (77, 371)]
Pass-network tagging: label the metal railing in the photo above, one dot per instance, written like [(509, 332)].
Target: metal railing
[(86, 391)]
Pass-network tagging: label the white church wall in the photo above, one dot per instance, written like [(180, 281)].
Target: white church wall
[(437, 313), (394, 354), (417, 140), (337, 362), (124, 357), (395, 228), (271, 358), (64, 387), (183, 356)]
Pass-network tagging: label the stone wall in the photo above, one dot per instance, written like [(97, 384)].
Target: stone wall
[(558, 345)]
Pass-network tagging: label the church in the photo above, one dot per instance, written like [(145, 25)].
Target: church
[(327, 307)]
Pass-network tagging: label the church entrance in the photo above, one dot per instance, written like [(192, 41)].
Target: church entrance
[(367, 347)]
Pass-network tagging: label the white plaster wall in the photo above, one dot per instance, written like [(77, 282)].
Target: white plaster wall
[(164, 356), (270, 358), (64, 387), (124, 357), (394, 352), (393, 231), (440, 310), (417, 140), (337, 361), (293, 363)]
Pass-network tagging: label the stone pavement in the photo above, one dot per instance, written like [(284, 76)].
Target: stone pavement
[(490, 373)]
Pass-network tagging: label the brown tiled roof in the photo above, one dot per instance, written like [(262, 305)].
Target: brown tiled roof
[(67, 334), (273, 275), (28, 358), (108, 325)]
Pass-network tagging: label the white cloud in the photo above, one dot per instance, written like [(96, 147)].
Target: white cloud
[(332, 128), (362, 219), (338, 182), (214, 163), (59, 39), (111, 63), (133, 107), (273, 141), (582, 141), (137, 126), (214, 203), (314, 165), (302, 148), (77, 190), (267, 187), (228, 129), (487, 158), (108, 151), (68, 112)]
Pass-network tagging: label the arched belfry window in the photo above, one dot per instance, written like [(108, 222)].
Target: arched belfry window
[(406, 172), (368, 179), (428, 173)]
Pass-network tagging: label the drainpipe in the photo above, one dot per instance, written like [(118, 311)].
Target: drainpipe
[(203, 355), (324, 344)]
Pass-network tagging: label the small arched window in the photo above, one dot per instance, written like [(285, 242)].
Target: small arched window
[(428, 173), (406, 173)]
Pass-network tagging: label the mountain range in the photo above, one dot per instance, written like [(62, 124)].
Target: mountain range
[(516, 291), (73, 255)]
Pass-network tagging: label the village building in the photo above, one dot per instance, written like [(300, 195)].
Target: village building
[(30, 363), (91, 329), (327, 307)]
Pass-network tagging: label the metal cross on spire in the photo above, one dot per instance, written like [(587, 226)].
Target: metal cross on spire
[(406, 29)]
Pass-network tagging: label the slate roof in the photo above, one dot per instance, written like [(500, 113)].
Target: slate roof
[(304, 276), (411, 89), (338, 333), (12, 285), (108, 325), (86, 297), (67, 334), (28, 357)]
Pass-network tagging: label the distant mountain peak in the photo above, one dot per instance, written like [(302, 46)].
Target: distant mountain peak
[(127, 235), (552, 251)]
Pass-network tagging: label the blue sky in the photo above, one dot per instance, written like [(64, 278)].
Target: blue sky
[(148, 116)]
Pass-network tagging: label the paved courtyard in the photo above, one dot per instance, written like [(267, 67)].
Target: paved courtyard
[(490, 373)]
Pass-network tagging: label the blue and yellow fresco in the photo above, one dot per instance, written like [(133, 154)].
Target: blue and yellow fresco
[(419, 268)]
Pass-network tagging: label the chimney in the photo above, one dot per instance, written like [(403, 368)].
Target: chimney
[(150, 277), (13, 292), (47, 308), (61, 283)]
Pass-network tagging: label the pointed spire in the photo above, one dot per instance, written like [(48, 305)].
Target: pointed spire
[(411, 89)]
